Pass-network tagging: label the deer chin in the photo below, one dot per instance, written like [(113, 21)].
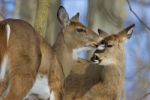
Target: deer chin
[(83, 53)]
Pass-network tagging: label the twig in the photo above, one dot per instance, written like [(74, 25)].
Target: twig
[(147, 3), (140, 20), (2, 15), (145, 96)]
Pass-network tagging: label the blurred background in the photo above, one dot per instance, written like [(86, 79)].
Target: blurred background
[(108, 15)]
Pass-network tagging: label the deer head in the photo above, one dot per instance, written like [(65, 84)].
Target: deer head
[(73, 39), (110, 50)]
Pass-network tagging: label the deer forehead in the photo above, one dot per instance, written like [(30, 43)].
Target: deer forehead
[(111, 40), (77, 24)]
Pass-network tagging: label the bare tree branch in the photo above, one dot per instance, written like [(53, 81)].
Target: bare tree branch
[(145, 96), (2, 15), (145, 3), (140, 20)]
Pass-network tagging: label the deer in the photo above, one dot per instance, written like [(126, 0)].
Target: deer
[(109, 58), (28, 63), (73, 39), (82, 79)]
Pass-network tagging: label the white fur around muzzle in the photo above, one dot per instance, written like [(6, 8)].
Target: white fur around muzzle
[(83, 53)]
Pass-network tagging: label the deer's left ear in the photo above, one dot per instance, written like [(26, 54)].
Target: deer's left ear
[(126, 33)]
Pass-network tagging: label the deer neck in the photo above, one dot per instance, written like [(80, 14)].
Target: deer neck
[(63, 54), (113, 74)]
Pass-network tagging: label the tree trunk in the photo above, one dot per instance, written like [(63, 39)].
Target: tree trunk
[(17, 9), (42, 16), (27, 10), (2, 10), (53, 25), (108, 15)]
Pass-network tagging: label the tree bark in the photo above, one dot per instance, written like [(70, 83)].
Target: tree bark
[(42, 16), (27, 10), (108, 15), (17, 9), (53, 25), (2, 10)]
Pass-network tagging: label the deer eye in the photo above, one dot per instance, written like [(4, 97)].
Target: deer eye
[(109, 46), (80, 30), (105, 44), (102, 45)]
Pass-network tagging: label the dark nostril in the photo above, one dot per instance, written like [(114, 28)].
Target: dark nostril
[(99, 60), (96, 58), (96, 45)]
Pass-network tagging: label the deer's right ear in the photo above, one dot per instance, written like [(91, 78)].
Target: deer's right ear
[(126, 33), (63, 16), (75, 17)]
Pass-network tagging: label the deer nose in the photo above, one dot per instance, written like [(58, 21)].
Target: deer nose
[(100, 60)]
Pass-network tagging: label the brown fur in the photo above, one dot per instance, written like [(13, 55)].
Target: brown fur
[(78, 74), (111, 80), (110, 85), (3, 46), (29, 54), (86, 81)]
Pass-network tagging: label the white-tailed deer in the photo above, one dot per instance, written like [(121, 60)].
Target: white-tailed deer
[(27, 63), (109, 58), (74, 37)]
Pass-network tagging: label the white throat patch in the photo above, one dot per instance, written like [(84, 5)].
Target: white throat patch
[(83, 53)]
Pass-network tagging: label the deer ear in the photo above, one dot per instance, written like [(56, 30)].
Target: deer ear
[(63, 16), (126, 33), (102, 33), (75, 17)]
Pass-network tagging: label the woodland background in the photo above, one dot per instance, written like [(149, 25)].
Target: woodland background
[(108, 15)]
